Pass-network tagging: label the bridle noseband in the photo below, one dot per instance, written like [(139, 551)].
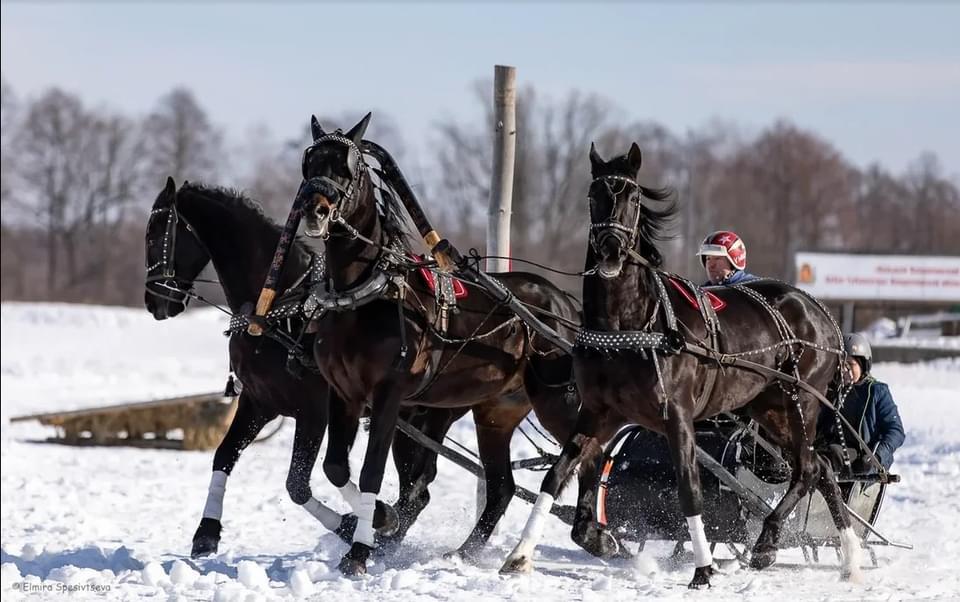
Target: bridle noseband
[(166, 280), (600, 231)]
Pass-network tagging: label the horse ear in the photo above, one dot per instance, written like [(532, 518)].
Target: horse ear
[(634, 158), (356, 132), (315, 128), (169, 194), (595, 158)]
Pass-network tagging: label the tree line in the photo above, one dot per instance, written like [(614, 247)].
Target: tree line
[(78, 182)]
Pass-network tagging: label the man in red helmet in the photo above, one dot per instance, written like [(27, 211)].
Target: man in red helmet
[(724, 257)]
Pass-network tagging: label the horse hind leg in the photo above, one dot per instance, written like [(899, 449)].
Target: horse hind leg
[(495, 426), (306, 446), (801, 421), (417, 468), (343, 426), (850, 545)]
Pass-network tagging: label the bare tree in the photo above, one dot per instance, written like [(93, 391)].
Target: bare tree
[(8, 125), (180, 141), (551, 176), (80, 170), (933, 207)]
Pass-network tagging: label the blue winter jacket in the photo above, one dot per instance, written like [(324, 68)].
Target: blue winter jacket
[(736, 277), (869, 407)]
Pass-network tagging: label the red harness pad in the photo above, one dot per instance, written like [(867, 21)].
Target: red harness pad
[(459, 289), (717, 303)]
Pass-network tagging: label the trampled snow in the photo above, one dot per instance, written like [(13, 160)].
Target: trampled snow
[(116, 523)]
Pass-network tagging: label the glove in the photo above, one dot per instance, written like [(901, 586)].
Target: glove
[(861, 466)]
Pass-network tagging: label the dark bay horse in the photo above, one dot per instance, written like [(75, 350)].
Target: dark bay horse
[(382, 351), (187, 230), (625, 303)]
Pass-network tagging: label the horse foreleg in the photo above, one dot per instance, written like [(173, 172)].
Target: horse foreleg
[(682, 441), (850, 545), (520, 559), (588, 531), (247, 423), (383, 423)]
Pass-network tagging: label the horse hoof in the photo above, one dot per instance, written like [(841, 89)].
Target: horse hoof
[(851, 576), (467, 554), (386, 521), (352, 568), (600, 542), (762, 556), (204, 546), (348, 524), (206, 540), (517, 565), (354, 562), (701, 577)]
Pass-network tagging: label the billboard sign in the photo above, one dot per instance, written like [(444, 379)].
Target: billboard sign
[(879, 277)]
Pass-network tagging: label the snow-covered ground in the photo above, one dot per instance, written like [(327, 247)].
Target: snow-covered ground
[(116, 523)]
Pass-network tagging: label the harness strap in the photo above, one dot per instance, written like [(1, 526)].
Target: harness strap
[(728, 360)]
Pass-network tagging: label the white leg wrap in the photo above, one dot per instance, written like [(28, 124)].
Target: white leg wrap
[(218, 486), (365, 509), (852, 554), (698, 537), (533, 530), (351, 494), (328, 517)]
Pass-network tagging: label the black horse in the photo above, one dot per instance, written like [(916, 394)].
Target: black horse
[(188, 229), (381, 352), (666, 390)]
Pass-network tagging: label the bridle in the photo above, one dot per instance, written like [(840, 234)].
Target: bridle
[(346, 196), (626, 235), (166, 279)]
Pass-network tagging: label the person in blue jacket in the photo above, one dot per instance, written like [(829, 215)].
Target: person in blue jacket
[(724, 257), (868, 407)]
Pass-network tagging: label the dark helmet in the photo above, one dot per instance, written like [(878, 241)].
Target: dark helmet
[(856, 345)]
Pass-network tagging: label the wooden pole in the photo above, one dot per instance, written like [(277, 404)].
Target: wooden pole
[(504, 152)]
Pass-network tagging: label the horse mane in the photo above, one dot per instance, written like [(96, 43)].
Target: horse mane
[(393, 215), (237, 201), (656, 223)]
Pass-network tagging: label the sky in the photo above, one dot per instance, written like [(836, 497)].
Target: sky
[(880, 81)]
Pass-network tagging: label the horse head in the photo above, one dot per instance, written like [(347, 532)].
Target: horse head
[(174, 257), (336, 179), (620, 225)]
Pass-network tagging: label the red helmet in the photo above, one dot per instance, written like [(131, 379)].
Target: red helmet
[(724, 243)]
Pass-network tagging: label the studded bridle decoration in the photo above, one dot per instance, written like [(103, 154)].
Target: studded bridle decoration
[(355, 165), (632, 232), (166, 279)]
